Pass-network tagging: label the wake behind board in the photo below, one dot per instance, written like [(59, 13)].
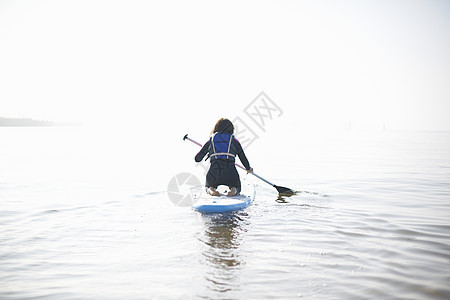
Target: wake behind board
[(219, 204)]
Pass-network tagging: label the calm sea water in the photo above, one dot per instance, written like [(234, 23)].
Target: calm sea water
[(85, 215)]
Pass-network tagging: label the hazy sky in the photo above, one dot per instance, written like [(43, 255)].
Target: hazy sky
[(155, 63)]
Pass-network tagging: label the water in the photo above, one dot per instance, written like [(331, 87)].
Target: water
[(85, 215)]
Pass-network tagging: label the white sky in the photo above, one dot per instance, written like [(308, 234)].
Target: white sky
[(155, 63)]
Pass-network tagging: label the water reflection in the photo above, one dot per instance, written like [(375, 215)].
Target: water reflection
[(282, 198), (221, 238)]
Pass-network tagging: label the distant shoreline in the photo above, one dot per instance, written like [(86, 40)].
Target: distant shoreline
[(28, 122)]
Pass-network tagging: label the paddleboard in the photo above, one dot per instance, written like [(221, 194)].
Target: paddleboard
[(218, 204)]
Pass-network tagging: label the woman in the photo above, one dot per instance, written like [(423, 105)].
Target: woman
[(222, 149)]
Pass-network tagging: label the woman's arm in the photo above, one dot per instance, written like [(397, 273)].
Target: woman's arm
[(202, 152), (241, 154)]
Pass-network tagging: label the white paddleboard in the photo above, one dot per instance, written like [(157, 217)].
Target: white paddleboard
[(219, 204)]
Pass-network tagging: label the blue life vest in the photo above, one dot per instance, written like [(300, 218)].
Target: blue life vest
[(222, 147)]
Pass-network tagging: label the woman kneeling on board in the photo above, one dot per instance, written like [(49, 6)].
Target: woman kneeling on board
[(222, 148)]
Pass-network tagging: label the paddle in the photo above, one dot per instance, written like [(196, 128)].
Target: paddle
[(281, 189)]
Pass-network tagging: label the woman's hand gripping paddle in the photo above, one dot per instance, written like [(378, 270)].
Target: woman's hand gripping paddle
[(281, 189)]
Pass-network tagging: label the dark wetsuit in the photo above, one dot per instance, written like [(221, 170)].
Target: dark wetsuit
[(222, 171)]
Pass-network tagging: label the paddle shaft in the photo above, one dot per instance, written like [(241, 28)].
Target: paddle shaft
[(237, 165)]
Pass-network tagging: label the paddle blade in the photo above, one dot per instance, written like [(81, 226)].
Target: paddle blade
[(284, 190)]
